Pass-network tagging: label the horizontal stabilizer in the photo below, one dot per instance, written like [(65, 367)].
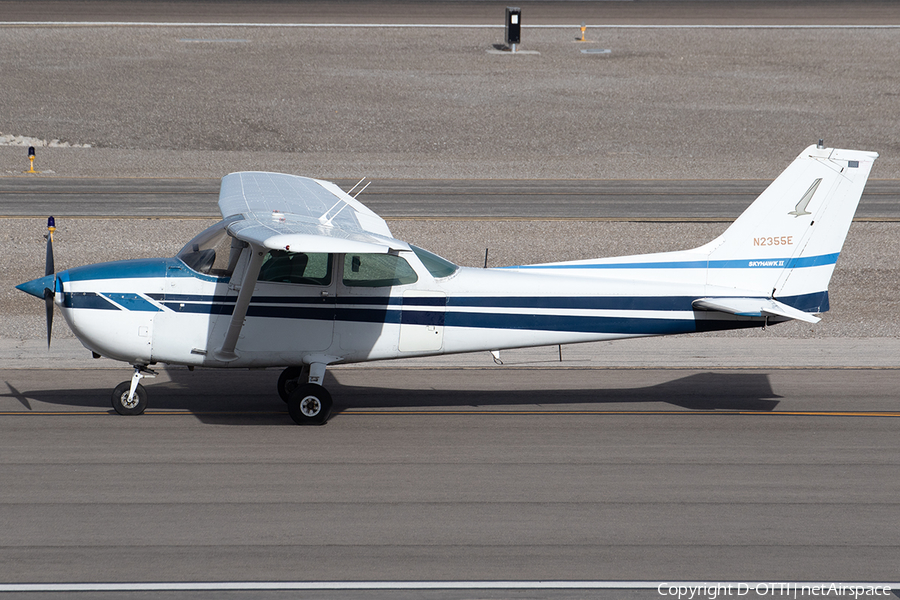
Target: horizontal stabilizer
[(753, 307)]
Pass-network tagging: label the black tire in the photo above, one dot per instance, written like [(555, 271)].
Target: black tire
[(120, 399), (309, 404), (289, 380)]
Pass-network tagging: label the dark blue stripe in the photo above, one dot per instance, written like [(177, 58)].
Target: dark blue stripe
[(200, 309), (367, 315), (811, 303), (314, 300), (370, 300), (575, 302), (87, 300), (423, 317), (572, 324), (441, 301), (287, 312), (352, 300), (817, 302), (191, 298)]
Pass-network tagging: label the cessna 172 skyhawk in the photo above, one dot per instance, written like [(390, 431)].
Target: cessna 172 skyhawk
[(300, 275)]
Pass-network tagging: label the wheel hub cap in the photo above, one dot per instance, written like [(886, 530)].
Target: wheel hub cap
[(310, 406)]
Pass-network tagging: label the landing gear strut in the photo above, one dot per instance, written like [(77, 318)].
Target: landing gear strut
[(291, 378), (130, 397)]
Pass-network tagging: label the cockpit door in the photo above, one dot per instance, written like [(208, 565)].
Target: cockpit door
[(422, 321), (293, 306)]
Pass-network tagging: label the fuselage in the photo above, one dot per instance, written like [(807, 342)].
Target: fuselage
[(163, 310)]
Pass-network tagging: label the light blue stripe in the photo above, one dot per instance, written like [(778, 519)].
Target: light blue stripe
[(132, 302), (744, 263)]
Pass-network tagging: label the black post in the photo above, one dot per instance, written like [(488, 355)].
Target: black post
[(513, 26)]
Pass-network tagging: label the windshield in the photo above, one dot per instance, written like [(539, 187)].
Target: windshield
[(437, 266), (212, 251)]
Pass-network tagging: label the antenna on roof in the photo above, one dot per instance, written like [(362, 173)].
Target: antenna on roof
[(355, 186), (362, 190)]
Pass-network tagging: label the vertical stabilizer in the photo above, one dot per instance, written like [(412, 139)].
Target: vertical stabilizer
[(785, 245)]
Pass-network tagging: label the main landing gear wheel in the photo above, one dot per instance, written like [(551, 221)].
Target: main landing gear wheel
[(309, 404), (120, 401), (289, 379)]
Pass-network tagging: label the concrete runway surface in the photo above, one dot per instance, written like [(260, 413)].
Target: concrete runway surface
[(762, 457)]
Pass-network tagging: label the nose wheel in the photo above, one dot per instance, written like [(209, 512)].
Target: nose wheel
[(130, 397)]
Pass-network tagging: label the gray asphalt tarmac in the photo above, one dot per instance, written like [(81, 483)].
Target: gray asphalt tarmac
[(552, 12), (420, 102), (654, 200), (476, 474)]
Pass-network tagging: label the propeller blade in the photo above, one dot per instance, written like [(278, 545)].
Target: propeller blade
[(51, 227), (48, 303), (49, 269)]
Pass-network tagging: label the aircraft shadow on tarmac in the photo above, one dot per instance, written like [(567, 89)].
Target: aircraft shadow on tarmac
[(222, 398)]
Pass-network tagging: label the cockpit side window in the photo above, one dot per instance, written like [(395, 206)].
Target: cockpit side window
[(280, 266)]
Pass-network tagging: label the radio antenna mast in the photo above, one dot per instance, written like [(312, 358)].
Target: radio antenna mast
[(362, 190), (355, 186)]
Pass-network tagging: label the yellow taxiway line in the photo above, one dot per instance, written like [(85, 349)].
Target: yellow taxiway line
[(394, 413)]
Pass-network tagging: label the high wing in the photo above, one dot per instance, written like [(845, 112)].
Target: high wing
[(277, 211), (299, 214)]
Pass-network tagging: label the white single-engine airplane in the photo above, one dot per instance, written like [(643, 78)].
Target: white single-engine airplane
[(301, 275)]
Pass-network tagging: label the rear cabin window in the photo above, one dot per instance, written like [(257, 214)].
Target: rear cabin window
[(304, 268), (377, 270)]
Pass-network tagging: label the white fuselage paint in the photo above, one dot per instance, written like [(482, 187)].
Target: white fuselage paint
[(150, 311)]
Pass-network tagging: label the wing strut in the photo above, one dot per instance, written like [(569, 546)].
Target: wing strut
[(226, 352)]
